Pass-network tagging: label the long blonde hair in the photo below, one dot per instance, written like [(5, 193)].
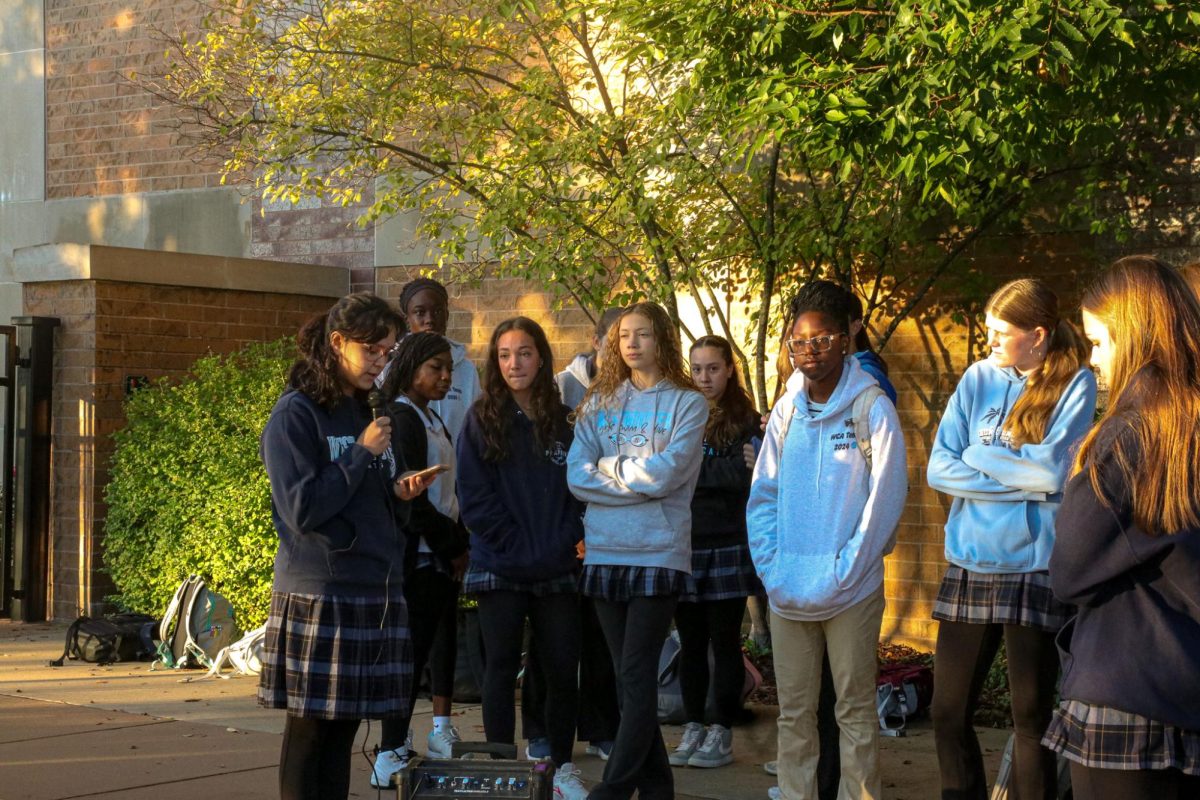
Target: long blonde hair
[(1027, 304), (1153, 322), (668, 356)]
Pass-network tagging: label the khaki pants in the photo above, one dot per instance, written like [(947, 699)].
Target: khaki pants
[(851, 638)]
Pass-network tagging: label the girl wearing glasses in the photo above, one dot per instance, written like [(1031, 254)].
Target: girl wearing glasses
[(1127, 551), (524, 527), (436, 556), (634, 461), (1002, 452), (337, 644), (821, 516)]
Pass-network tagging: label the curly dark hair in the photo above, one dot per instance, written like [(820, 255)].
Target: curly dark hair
[(731, 413), (360, 317), (494, 407), (412, 351), (824, 297)]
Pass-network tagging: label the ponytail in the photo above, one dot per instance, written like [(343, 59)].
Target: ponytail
[(1066, 352)]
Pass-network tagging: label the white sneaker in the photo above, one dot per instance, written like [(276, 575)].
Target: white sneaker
[(567, 785), (440, 743), (387, 764), (717, 750), (774, 793), (693, 734), (771, 767)]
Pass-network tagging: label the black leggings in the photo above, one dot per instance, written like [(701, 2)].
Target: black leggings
[(964, 655), (718, 622), (554, 619), (432, 597), (314, 763), (1090, 783)]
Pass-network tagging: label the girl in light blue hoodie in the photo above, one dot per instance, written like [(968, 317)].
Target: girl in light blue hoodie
[(1002, 452), (635, 460), (822, 514)]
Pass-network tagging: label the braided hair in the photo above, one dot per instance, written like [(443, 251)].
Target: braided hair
[(412, 351)]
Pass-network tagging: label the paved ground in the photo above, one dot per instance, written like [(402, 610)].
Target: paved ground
[(82, 731)]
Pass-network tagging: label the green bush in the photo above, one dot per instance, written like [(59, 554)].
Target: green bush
[(187, 492)]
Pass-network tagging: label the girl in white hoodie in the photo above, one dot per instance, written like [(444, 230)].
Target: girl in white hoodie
[(635, 460), (822, 515)]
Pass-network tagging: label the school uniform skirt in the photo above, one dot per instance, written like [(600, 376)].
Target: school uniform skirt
[(1108, 738), (1017, 598), (720, 573), (343, 658), (619, 584)]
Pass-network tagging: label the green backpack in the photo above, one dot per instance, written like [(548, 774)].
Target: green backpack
[(199, 623)]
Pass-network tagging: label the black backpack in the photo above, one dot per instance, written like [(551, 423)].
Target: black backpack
[(105, 640)]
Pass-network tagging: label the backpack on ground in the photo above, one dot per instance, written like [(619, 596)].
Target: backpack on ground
[(199, 623), (243, 657), (902, 691), (108, 639), (670, 693)]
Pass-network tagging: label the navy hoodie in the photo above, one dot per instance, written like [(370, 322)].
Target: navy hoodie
[(719, 504), (523, 519), (331, 501), (1135, 643)]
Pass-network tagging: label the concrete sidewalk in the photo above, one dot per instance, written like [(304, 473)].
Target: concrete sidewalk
[(82, 731)]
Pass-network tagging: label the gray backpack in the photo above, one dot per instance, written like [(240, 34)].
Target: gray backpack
[(199, 623)]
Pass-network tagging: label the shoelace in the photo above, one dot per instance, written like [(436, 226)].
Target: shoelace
[(712, 739), (691, 737), (569, 776)]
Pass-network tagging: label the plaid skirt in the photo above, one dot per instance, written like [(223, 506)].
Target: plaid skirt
[(1018, 598), (479, 581), (720, 573), (617, 584), (1107, 738), (337, 657)]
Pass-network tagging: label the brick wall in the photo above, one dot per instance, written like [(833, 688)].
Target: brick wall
[(111, 330)]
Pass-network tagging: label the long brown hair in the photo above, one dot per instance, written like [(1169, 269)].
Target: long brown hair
[(668, 356), (360, 317), (1028, 304), (493, 408), (1153, 322), (730, 414)]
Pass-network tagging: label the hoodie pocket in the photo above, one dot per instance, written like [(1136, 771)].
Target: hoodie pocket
[(805, 584), (642, 527)]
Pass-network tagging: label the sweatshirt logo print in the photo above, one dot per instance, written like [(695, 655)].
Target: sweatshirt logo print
[(340, 444), (635, 427), (557, 454), (987, 434)]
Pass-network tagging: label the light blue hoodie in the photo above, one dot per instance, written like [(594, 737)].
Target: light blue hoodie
[(1005, 499), (819, 522), (634, 461)]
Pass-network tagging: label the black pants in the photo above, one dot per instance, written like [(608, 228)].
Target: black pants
[(598, 715), (718, 622), (554, 619), (314, 762), (964, 655), (635, 631), (432, 600), (1089, 783)]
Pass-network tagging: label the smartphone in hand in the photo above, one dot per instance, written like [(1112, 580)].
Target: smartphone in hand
[(436, 469)]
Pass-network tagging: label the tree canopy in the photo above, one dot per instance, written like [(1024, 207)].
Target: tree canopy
[(726, 150)]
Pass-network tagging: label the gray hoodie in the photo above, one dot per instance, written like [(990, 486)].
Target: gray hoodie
[(635, 460), (573, 382), (819, 521)]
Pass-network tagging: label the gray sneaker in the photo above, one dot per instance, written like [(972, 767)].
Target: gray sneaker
[(717, 750), (693, 734)]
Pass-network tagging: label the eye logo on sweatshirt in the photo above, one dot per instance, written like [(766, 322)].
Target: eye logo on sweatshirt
[(637, 439)]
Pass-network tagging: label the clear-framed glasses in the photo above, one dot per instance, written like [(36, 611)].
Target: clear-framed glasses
[(817, 344), (377, 352)]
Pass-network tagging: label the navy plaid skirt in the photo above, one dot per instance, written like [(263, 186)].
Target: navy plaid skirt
[(1017, 598), (720, 573), (1107, 738), (478, 581), (617, 584), (337, 657)]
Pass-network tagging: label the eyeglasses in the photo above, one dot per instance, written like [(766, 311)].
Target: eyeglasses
[(817, 344), (375, 352)]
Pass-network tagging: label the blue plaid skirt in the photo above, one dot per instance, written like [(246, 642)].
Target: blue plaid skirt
[(720, 573), (337, 657), (1107, 738), (1017, 598), (617, 584), (478, 581)]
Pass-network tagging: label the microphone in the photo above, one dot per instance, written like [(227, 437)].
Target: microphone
[(376, 401)]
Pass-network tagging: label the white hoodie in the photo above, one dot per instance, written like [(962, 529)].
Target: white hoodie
[(819, 522)]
